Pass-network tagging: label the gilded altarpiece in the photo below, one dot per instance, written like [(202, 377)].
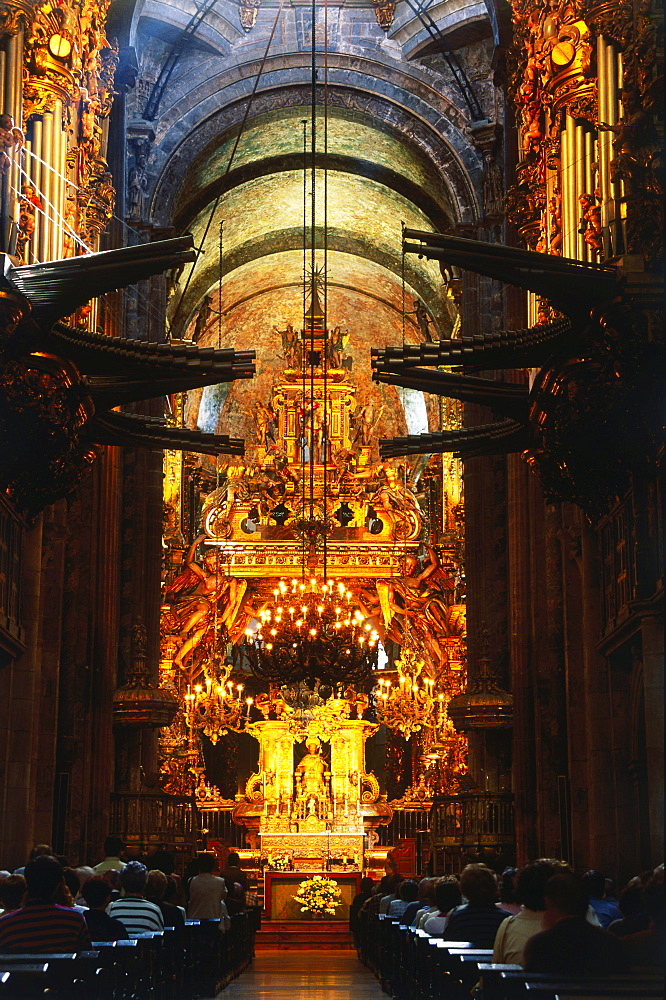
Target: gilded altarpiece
[(312, 495)]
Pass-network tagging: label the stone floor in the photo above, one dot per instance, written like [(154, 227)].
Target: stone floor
[(304, 975)]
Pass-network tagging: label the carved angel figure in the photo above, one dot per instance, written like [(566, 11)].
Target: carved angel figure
[(194, 596), (399, 502), (11, 137), (366, 419)]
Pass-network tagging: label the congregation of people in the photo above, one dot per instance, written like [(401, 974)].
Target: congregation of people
[(543, 919), (48, 907)]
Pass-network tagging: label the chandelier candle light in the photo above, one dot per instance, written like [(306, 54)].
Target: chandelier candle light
[(311, 631), (409, 706), (216, 709)]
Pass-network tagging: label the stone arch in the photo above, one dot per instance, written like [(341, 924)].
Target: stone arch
[(458, 162)]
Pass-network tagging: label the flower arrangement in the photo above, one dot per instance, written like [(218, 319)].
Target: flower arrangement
[(279, 862), (318, 895)]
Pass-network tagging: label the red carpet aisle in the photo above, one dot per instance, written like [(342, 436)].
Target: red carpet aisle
[(305, 975)]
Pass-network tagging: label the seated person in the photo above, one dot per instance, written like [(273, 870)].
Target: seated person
[(595, 884), (447, 898), (133, 910), (507, 891), (648, 947), (407, 893), (12, 891), (41, 925), (172, 915), (96, 892), (207, 891), (516, 931), (367, 885), (570, 945), (479, 919), (425, 899), (635, 917)]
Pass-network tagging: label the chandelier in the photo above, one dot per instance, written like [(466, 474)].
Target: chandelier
[(217, 706), (409, 706), (311, 632), (445, 755)]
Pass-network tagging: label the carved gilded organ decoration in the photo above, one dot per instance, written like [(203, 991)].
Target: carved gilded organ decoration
[(585, 82), (56, 73)]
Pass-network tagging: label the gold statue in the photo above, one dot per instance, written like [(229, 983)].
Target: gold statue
[(311, 785)]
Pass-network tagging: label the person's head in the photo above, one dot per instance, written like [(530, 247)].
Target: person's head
[(133, 878), (611, 888), (367, 885), (97, 892), (233, 861), (531, 883), (156, 885), (427, 889), (43, 876), (113, 846), (479, 885), (392, 883), (12, 891), (408, 890), (207, 863), (40, 851), (112, 876), (566, 896), (507, 886), (447, 895), (595, 884)]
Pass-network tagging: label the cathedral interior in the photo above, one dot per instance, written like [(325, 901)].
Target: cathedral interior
[(331, 431)]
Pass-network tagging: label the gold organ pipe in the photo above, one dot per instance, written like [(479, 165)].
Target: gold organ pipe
[(569, 189), (36, 174), (579, 173), (3, 73), (47, 185), (59, 200), (13, 105), (564, 153), (603, 145), (591, 180)]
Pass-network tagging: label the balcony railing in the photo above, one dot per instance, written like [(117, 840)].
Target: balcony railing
[(154, 820), (475, 826)]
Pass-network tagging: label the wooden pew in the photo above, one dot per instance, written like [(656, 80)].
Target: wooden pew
[(506, 982), (68, 974), (23, 980)]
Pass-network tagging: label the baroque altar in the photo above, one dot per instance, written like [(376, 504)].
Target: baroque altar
[(321, 807)]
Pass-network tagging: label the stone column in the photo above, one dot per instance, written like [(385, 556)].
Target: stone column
[(19, 692)]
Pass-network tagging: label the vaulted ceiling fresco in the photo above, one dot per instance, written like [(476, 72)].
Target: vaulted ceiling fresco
[(227, 150)]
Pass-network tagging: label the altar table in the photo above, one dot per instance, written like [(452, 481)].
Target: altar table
[(280, 888)]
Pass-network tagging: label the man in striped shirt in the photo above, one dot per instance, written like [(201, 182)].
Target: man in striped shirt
[(41, 925), (133, 910)]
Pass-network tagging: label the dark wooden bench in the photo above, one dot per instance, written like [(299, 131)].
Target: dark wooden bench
[(507, 982), (68, 974), (23, 980)]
